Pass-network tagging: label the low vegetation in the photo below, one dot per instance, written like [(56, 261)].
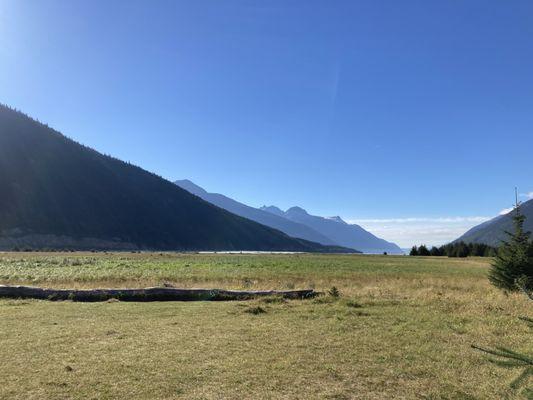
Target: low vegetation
[(386, 327)]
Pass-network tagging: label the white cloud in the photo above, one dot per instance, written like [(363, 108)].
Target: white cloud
[(407, 232), (410, 231)]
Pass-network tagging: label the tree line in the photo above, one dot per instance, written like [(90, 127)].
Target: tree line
[(456, 249)]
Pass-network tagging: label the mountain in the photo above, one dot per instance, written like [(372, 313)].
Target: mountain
[(270, 219), (274, 210), (296, 222), (493, 232), (342, 233), (56, 193)]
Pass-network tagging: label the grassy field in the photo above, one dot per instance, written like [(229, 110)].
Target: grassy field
[(402, 329)]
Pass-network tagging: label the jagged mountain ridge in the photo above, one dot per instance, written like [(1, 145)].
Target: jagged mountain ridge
[(341, 232), (297, 222), (272, 220)]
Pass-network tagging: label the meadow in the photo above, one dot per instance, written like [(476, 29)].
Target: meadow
[(401, 328)]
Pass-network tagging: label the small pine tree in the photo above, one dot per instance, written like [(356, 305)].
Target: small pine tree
[(514, 259), (414, 251)]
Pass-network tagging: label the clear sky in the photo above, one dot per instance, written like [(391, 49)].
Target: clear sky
[(414, 118)]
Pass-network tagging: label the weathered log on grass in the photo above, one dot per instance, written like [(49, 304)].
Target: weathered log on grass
[(147, 294)]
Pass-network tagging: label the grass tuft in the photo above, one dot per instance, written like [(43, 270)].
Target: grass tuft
[(353, 304), (255, 310), (334, 292)]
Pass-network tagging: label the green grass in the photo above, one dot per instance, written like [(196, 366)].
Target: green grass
[(401, 329), (235, 271)]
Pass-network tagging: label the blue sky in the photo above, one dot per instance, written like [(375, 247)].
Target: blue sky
[(412, 117)]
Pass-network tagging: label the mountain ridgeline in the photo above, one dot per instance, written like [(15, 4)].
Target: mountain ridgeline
[(56, 193), (339, 231), (285, 225), (493, 233), (296, 222)]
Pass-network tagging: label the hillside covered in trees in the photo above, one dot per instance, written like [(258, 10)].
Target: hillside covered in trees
[(56, 193), (493, 232)]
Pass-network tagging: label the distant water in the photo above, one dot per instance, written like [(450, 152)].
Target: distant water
[(249, 252), (405, 252)]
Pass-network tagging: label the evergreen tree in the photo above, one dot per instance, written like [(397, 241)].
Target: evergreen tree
[(514, 260), (490, 252), (423, 251), (462, 250), (476, 249), (435, 251), (414, 251)]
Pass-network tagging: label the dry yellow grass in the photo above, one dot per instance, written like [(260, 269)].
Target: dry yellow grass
[(402, 329)]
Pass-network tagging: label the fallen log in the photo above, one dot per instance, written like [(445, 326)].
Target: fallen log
[(146, 294)]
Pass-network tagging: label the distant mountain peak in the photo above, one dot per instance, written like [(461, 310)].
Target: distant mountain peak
[(296, 211), (187, 182), (298, 222), (273, 210), (191, 187), (337, 219), (271, 216), (348, 235)]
